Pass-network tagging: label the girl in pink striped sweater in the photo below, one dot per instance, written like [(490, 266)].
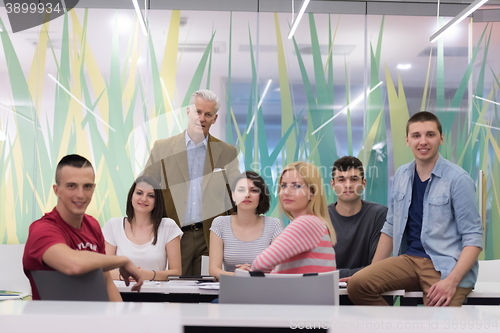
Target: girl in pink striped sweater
[(306, 244)]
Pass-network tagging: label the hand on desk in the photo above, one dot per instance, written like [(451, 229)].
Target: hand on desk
[(244, 267), (116, 275), (146, 274), (130, 272), (345, 279)]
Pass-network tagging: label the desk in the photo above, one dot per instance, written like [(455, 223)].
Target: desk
[(10, 297), (54, 316), (401, 292), (21, 295), (172, 292), (341, 318), (84, 317), (156, 291), (484, 293)]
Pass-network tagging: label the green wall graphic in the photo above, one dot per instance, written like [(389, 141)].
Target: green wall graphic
[(109, 96)]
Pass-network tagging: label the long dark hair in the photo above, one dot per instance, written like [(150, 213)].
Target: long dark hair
[(159, 208), (258, 181)]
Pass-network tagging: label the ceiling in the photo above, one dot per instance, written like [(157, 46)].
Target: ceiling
[(400, 44)]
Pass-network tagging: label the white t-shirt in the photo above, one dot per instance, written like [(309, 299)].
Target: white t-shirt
[(146, 256), (239, 252)]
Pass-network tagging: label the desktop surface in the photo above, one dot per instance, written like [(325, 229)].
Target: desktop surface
[(70, 316), (23, 316)]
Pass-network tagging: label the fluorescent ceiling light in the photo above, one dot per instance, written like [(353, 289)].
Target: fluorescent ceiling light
[(264, 93), (79, 102), (140, 17), (299, 17), (487, 100), (122, 23), (488, 126), (404, 66), (352, 104), (457, 19), (18, 114)]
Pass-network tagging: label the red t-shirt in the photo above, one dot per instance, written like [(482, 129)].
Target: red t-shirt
[(51, 229)]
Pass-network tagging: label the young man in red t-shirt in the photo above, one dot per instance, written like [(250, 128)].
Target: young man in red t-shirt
[(68, 240)]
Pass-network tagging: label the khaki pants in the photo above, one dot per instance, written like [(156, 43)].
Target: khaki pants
[(193, 246), (410, 273)]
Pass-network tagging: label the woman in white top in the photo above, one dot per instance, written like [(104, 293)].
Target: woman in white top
[(237, 239), (144, 236)]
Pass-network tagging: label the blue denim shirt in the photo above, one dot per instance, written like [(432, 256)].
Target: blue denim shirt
[(450, 220)]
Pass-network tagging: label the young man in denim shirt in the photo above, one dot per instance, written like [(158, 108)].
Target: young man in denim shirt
[(433, 227)]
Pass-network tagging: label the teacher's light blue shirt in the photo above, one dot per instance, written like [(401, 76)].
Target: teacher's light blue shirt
[(450, 219), (196, 154)]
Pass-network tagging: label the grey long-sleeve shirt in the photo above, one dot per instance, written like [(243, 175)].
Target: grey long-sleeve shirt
[(357, 236)]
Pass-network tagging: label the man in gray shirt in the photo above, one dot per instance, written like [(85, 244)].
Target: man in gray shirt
[(357, 223)]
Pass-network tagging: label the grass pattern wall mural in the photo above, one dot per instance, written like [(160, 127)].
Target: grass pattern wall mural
[(112, 113)]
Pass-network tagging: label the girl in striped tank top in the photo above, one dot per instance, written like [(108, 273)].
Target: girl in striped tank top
[(236, 240), (306, 244)]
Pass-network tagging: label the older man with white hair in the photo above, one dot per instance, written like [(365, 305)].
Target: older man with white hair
[(194, 169)]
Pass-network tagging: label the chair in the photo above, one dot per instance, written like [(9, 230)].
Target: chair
[(57, 286), (204, 265), (308, 289), (13, 277), (488, 270)]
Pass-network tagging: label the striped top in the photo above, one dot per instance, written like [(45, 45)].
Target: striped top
[(303, 247), (238, 252)]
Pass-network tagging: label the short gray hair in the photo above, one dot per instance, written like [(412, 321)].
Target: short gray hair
[(206, 95)]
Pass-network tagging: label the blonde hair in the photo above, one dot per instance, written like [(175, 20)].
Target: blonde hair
[(317, 204)]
